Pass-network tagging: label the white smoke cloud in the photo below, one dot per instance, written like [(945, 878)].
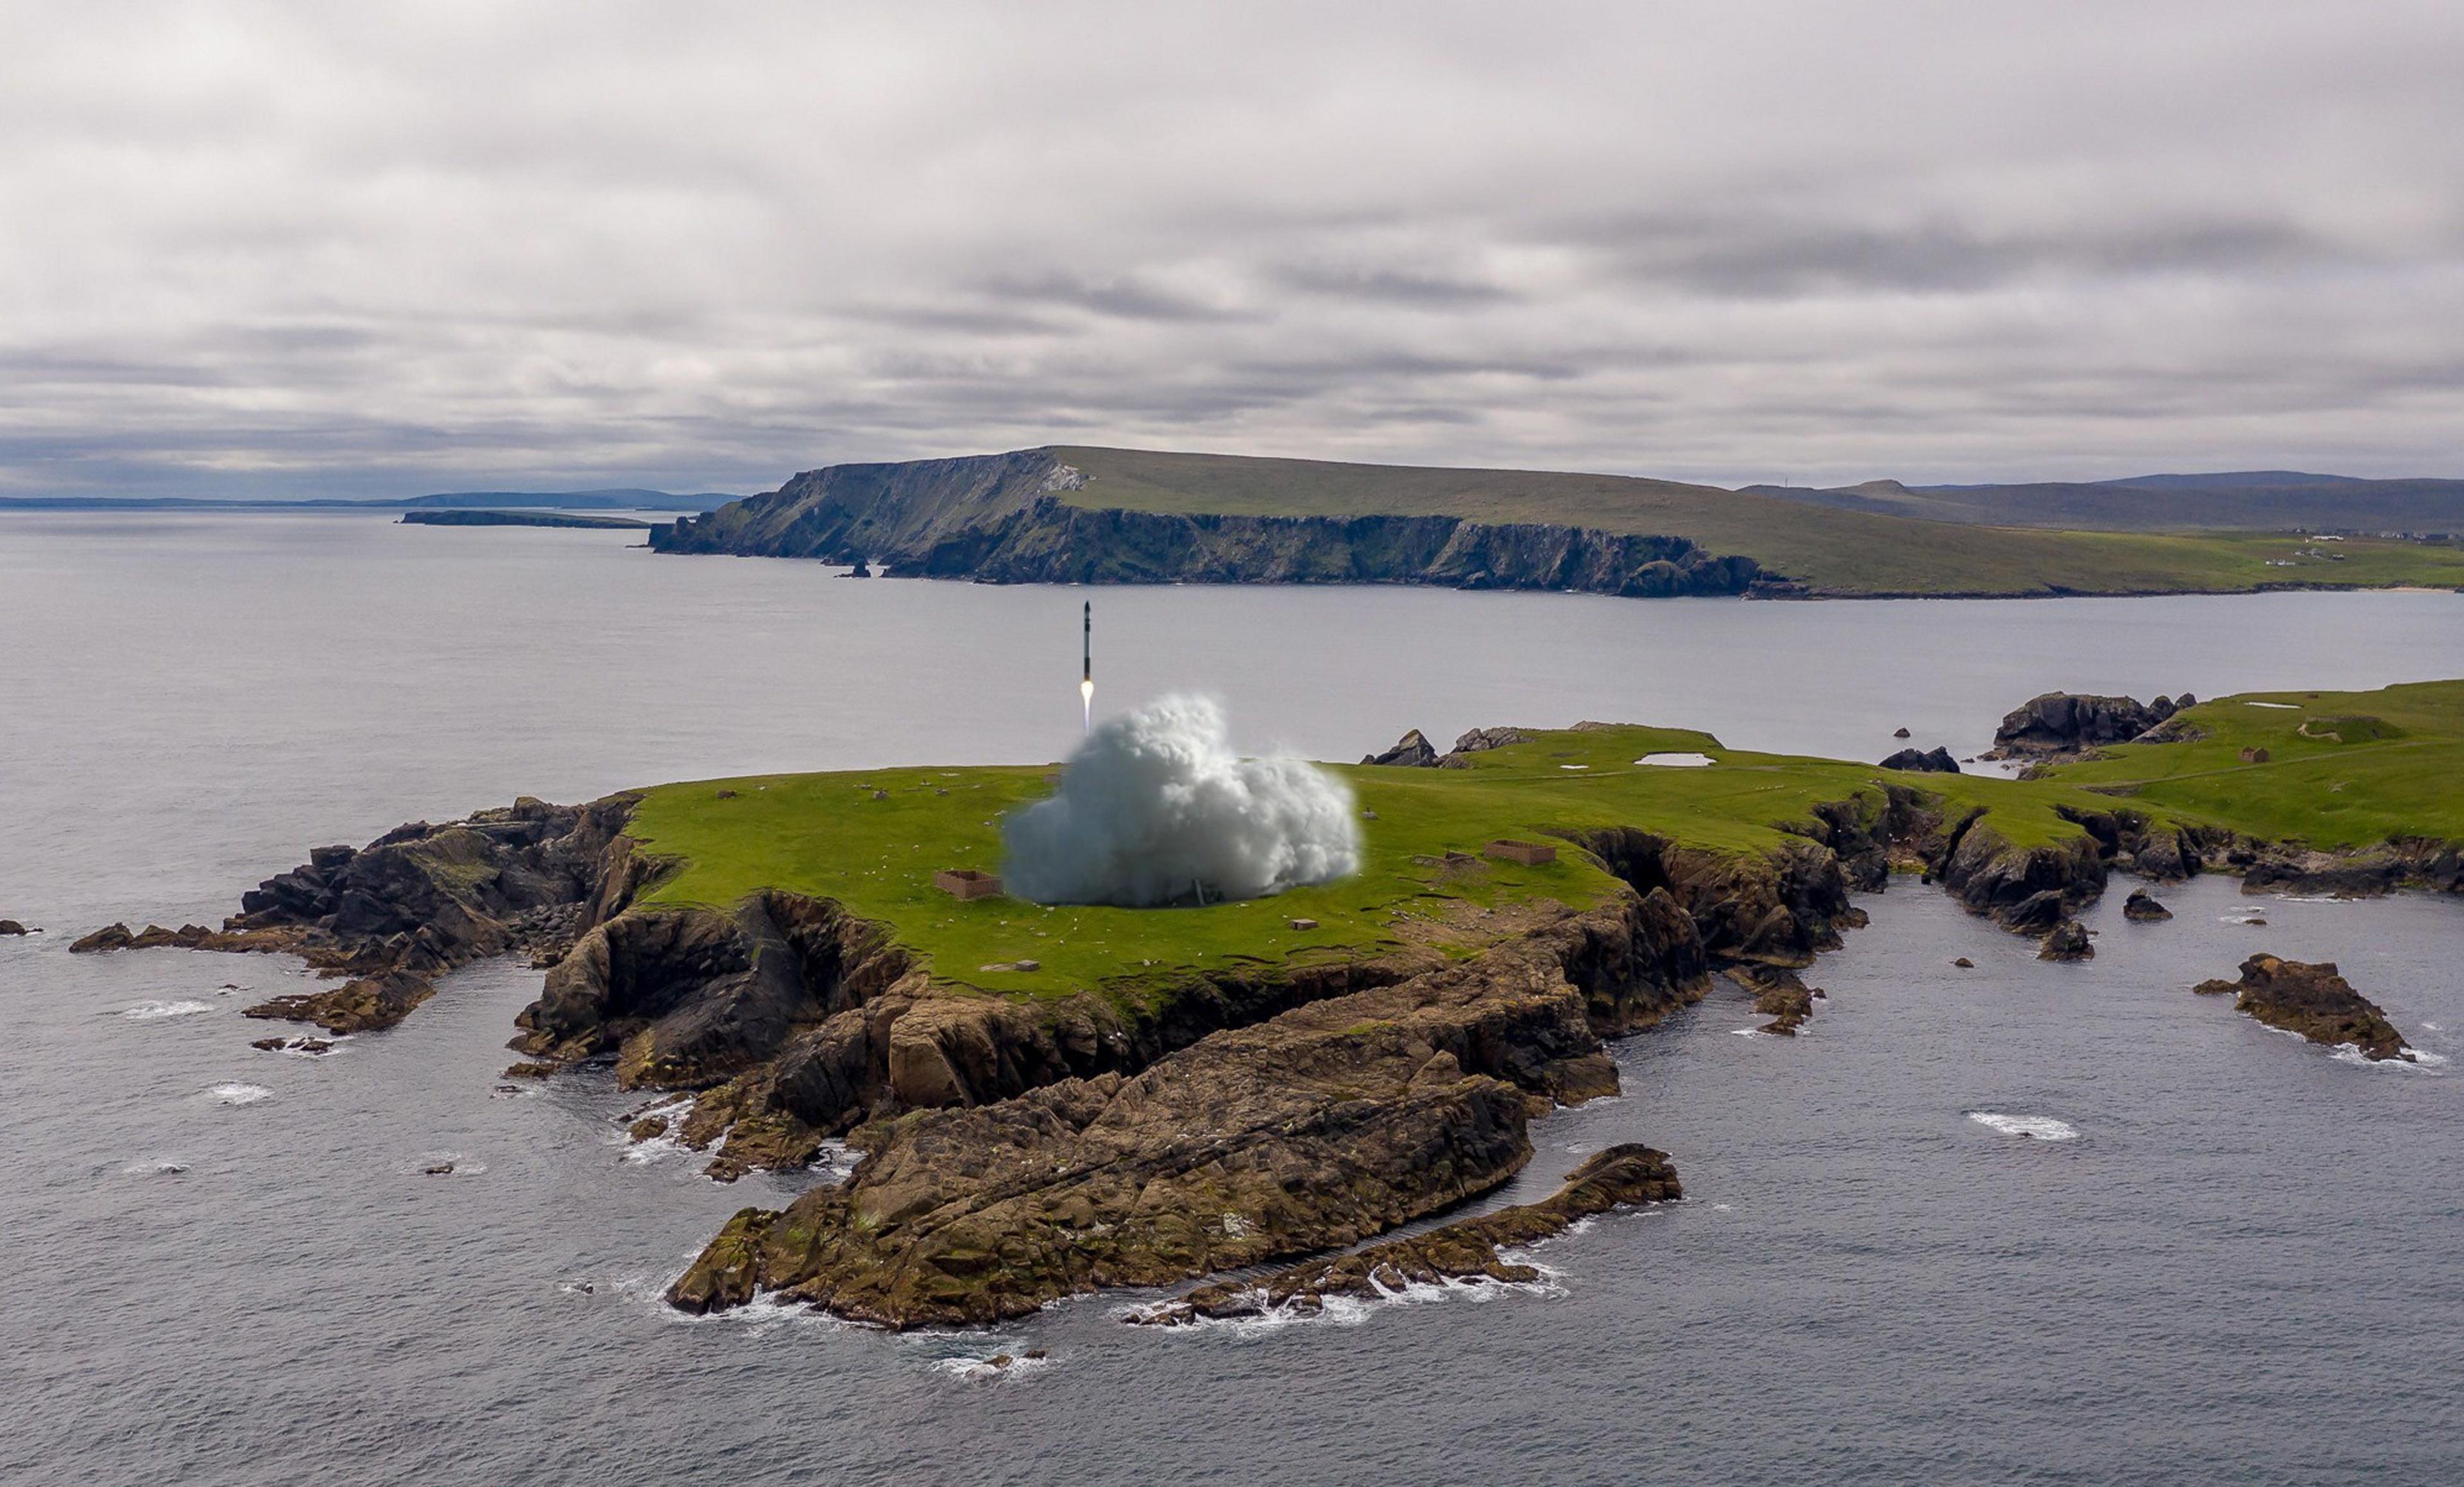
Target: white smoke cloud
[(1155, 805)]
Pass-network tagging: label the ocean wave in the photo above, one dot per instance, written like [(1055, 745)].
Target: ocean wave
[(158, 1167), (2033, 1127), (238, 1094), (156, 1012)]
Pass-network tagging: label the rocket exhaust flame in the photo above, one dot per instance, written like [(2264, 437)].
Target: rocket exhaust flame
[(1086, 666)]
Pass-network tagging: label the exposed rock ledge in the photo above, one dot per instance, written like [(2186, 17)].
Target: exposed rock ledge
[(1466, 1250)]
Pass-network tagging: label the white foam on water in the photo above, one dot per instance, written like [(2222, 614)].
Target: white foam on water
[(980, 1370), (238, 1094), (163, 1168), (156, 1012), (2419, 1063), (666, 1144), (1687, 760), (2033, 1127)]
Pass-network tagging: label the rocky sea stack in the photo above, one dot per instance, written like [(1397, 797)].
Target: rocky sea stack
[(2314, 1001)]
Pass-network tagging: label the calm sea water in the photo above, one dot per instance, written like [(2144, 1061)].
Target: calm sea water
[(230, 1267)]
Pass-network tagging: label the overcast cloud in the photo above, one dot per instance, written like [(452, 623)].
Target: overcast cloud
[(365, 250)]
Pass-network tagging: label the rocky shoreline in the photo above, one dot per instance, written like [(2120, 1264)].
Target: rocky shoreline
[(388, 919), (1017, 1150)]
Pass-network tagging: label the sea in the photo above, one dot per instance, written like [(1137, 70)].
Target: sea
[(2019, 1223)]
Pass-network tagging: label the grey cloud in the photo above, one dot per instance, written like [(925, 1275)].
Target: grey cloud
[(577, 243)]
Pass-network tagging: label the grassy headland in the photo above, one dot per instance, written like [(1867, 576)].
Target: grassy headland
[(2342, 769), (1833, 552), (873, 839)]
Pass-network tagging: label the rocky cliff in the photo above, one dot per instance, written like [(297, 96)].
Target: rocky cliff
[(1004, 519)]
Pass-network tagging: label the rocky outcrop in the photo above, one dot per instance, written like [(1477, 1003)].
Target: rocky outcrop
[(2141, 908), (1466, 1250), (2065, 724), (2068, 942), (2314, 1001), (1318, 1127), (389, 917), (1478, 741), (2365, 873), (1002, 518), (1930, 761), (2026, 890), (10, 928), (1781, 995), (1412, 750)]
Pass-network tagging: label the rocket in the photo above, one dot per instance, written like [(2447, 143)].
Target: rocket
[(1086, 664)]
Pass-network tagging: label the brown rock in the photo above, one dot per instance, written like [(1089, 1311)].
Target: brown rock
[(110, 937), (2314, 1001)]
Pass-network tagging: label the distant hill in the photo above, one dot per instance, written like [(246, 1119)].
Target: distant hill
[(2241, 500), (462, 515), (1074, 514), (621, 499), (613, 500)]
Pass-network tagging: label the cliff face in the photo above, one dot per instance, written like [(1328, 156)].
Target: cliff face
[(1001, 518)]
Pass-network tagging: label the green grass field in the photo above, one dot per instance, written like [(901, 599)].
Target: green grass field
[(831, 836), (1836, 552), (2343, 768)]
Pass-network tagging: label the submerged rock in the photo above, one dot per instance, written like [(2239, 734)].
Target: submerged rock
[(2142, 908), (1466, 1250), (11, 927), (2314, 1001)]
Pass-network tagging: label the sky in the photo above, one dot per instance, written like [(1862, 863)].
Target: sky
[(375, 250)]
